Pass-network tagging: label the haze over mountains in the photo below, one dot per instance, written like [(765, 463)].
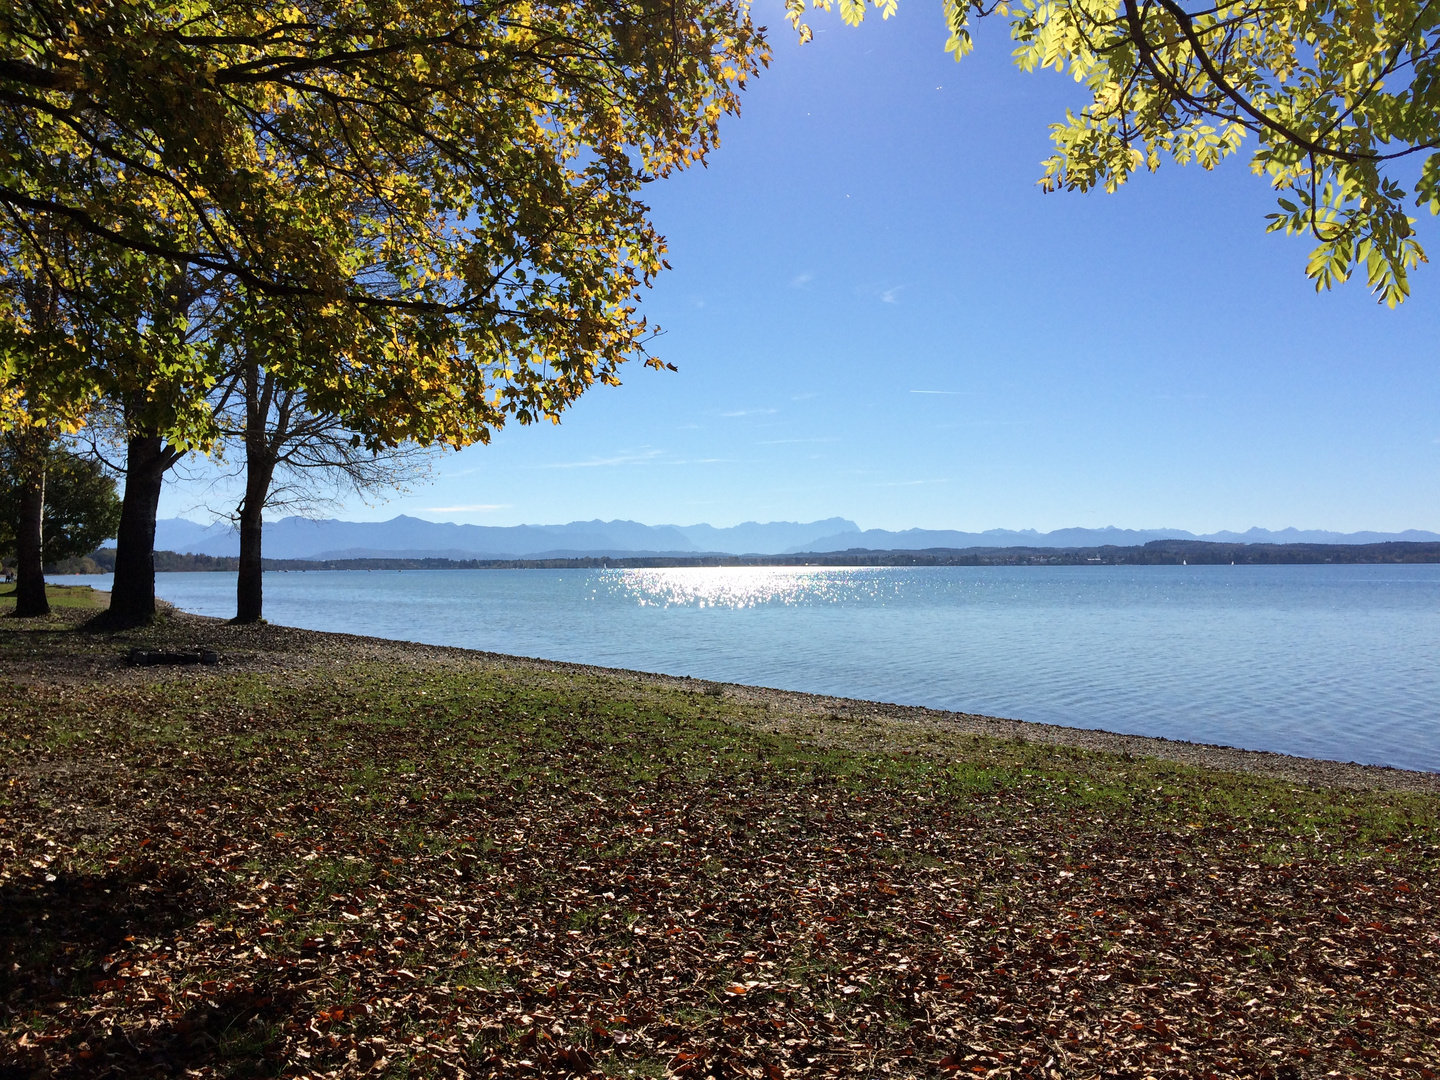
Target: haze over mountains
[(408, 537)]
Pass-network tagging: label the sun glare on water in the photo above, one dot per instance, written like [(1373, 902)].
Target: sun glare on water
[(748, 586)]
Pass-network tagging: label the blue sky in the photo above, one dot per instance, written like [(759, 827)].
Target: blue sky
[(876, 313)]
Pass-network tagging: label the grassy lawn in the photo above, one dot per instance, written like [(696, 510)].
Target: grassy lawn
[(453, 867), (60, 596)]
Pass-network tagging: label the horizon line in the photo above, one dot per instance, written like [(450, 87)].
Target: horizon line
[(816, 521)]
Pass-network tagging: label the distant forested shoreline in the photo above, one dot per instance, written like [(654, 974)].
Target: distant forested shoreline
[(1155, 553)]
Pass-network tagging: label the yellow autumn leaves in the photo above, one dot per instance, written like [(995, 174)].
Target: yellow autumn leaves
[(1338, 95), (424, 212)]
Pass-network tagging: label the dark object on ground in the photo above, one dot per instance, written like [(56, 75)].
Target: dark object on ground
[(151, 657)]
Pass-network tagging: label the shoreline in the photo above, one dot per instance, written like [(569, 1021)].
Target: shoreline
[(825, 719), (824, 710), (346, 857)]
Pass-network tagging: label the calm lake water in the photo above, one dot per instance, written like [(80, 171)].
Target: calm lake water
[(1326, 661)]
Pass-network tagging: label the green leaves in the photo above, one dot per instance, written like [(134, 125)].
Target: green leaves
[(81, 508), (1336, 94), (852, 11), (436, 202)]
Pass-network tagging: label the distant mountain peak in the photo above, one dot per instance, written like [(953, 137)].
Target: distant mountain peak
[(314, 538), (919, 539)]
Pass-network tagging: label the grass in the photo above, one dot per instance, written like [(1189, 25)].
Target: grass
[(352, 866), (60, 596)]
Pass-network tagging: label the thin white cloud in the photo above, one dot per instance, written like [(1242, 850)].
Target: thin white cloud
[(786, 442), (982, 424), (637, 457), (945, 393), (750, 412), (473, 508), (799, 281), (876, 290)]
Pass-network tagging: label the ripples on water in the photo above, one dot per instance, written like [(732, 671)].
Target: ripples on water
[(743, 587), (1329, 661)]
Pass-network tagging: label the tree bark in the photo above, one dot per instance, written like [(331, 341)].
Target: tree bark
[(132, 596), (260, 459), (30, 598), (249, 585)]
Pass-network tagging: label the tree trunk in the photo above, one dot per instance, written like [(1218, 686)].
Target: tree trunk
[(30, 598), (260, 458), (132, 596), (249, 587)]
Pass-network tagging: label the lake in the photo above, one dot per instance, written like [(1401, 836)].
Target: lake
[(1338, 662)]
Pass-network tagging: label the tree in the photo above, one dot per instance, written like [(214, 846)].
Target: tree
[(25, 452), (1342, 96), (294, 457), (157, 375), (247, 128), (437, 200), (82, 324), (80, 508), (42, 396)]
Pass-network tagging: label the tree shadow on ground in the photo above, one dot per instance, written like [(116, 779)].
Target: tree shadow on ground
[(65, 943)]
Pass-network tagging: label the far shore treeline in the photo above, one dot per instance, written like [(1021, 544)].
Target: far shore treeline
[(1155, 553)]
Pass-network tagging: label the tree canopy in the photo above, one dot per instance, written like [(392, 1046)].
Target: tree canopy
[(81, 507), (442, 193), (424, 214), (1342, 97)]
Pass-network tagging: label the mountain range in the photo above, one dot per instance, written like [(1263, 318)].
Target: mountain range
[(408, 537)]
